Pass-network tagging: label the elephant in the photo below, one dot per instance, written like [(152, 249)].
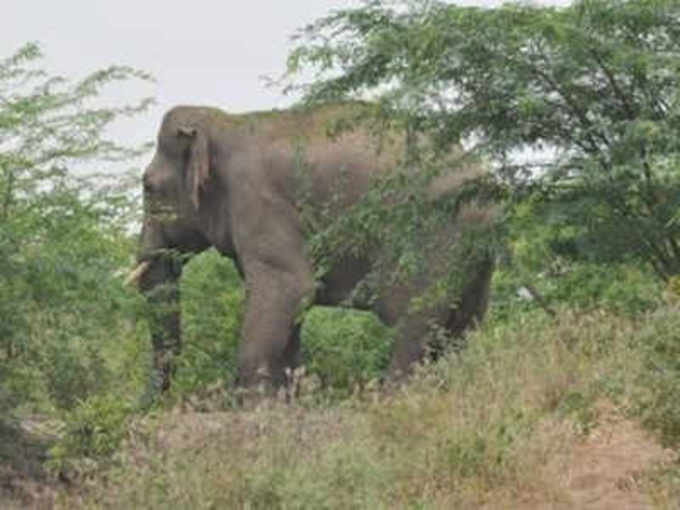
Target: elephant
[(232, 182)]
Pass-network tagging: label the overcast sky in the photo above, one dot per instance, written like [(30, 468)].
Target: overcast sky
[(200, 51)]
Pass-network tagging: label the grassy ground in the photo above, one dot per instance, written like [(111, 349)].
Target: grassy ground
[(578, 412)]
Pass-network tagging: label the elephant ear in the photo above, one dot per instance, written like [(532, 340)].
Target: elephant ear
[(198, 166)]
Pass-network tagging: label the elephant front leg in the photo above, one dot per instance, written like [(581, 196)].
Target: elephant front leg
[(271, 343)]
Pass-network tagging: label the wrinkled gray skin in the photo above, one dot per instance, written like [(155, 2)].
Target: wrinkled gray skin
[(232, 182)]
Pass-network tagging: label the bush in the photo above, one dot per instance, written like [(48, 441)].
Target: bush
[(63, 312), (625, 289), (344, 348), (94, 430)]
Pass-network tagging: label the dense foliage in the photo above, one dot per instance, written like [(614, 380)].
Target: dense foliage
[(576, 107), (63, 222)]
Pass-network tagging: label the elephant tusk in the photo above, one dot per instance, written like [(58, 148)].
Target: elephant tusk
[(136, 273)]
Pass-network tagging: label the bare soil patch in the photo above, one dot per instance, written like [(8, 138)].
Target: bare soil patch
[(607, 470)]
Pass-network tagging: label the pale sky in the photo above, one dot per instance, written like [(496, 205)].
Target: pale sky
[(211, 52)]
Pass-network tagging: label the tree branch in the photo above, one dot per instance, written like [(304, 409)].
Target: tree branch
[(615, 87)]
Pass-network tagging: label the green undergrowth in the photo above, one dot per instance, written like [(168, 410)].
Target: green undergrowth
[(342, 348), (467, 430)]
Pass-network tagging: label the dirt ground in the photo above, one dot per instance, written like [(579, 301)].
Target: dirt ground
[(604, 471)]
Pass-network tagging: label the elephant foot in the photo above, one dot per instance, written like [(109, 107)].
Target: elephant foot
[(164, 368), (159, 380), (260, 379), (256, 387)]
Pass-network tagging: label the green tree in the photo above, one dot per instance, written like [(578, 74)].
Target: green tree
[(576, 107), (62, 229)]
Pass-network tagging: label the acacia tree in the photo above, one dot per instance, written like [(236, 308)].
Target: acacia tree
[(61, 222), (587, 94)]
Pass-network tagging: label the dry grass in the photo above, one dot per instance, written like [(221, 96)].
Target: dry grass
[(533, 415)]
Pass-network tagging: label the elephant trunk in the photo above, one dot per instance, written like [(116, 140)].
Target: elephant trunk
[(156, 276)]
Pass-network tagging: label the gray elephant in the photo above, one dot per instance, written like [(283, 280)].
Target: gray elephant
[(233, 182)]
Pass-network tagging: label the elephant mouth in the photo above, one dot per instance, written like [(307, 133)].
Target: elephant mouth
[(144, 262)]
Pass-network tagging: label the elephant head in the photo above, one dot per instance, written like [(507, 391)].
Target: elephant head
[(174, 183)]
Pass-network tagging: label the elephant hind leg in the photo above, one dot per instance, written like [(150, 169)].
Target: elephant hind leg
[(409, 347), (473, 303), (392, 308), (414, 331)]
